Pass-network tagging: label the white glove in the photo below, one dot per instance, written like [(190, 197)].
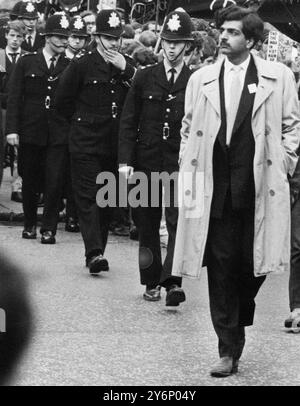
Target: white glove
[(127, 171), (12, 139)]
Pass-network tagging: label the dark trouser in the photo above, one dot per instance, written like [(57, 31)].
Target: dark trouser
[(147, 219), (232, 284), (45, 163), (93, 220), (71, 210), (294, 282)]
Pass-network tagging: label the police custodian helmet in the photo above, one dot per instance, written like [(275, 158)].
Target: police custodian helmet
[(57, 24), (108, 22), (78, 27), (177, 27), (28, 10)]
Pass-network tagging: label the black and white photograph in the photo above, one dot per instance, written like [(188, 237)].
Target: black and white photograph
[(149, 196)]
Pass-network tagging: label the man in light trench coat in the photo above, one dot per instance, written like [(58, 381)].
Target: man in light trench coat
[(239, 135)]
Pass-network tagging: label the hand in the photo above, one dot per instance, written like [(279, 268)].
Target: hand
[(12, 139), (293, 197), (117, 59), (127, 171)]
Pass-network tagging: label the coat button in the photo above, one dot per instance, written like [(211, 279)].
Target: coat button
[(268, 130), (187, 192), (269, 162), (194, 162), (272, 193), (199, 133)]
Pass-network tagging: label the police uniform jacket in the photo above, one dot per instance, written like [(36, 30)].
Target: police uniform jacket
[(149, 136), (91, 95), (30, 111)]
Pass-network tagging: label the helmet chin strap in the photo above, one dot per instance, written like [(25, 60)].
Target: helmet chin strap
[(105, 46), (174, 60)]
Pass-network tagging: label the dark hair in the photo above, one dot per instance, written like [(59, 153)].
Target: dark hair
[(148, 38), (144, 56), (253, 26), (128, 31)]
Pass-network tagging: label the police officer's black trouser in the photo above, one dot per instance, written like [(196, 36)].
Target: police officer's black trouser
[(147, 219), (42, 164), (93, 220), (294, 282)]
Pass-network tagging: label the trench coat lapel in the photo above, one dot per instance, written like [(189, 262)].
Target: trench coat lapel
[(266, 77), (211, 86)]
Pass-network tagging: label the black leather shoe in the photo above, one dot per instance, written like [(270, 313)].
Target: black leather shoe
[(97, 264), (29, 233), (16, 197), (175, 296), (72, 225), (224, 367), (48, 238)]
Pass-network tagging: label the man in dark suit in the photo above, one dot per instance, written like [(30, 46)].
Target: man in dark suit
[(42, 133), (91, 95), (149, 142), (240, 134), (34, 40)]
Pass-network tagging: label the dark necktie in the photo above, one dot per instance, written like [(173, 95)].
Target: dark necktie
[(52, 65), (13, 56), (171, 80), (29, 42)]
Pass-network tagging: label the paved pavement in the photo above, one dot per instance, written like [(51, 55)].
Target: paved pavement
[(99, 330)]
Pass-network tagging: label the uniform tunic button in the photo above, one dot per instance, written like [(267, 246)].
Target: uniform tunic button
[(49, 87), (33, 75), (50, 77), (79, 119), (150, 97), (199, 133), (112, 91), (194, 162), (168, 110), (272, 193), (269, 162), (95, 81)]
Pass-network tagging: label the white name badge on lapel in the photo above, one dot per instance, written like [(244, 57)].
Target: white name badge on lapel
[(252, 88)]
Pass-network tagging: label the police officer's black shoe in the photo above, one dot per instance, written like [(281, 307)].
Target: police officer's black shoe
[(48, 238), (72, 225), (97, 264), (175, 296), (29, 233)]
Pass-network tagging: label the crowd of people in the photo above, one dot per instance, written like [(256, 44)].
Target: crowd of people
[(91, 95)]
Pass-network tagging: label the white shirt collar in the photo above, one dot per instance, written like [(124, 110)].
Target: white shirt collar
[(8, 51), (49, 56), (168, 67), (244, 65)]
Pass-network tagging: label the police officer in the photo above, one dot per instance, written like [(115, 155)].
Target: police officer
[(149, 142), (32, 121), (76, 43), (91, 94), (78, 37), (28, 14)]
